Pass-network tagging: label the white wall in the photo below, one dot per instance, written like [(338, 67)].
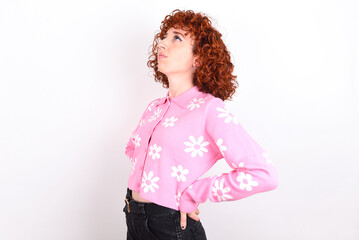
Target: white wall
[(74, 81)]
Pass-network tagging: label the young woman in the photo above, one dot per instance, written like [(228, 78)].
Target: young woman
[(181, 136)]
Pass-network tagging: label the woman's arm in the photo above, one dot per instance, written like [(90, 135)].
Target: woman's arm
[(131, 144), (253, 172)]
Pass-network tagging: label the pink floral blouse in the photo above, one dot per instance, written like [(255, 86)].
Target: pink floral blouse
[(177, 140)]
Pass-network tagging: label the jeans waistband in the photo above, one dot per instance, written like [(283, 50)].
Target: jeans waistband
[(133, 206)]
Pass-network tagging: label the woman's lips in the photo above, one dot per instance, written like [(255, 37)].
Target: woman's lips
[(161, 55)]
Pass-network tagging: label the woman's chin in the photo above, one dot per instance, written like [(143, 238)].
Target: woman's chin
[(164, 72)]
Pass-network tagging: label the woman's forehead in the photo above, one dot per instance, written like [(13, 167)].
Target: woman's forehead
[(178, 30)]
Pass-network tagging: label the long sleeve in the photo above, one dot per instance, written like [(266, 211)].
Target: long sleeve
[(131, 144), (253, 171)]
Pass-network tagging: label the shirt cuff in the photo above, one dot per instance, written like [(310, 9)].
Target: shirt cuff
[(186, 203)]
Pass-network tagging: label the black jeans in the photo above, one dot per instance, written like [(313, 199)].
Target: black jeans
[(150, 221)]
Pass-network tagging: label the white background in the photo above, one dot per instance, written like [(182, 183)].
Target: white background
[(74, 82)]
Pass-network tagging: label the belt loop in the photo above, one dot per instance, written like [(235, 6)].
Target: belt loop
[(129, 193), (141, 207)]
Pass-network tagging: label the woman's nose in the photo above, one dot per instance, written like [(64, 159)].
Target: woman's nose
[(161, 45)]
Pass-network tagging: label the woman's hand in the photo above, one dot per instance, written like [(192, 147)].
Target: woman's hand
[(193, 215)]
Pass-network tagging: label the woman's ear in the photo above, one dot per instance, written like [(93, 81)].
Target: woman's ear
[(196, 62)]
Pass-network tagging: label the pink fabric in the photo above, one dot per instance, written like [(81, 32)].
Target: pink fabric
[(177, 140)]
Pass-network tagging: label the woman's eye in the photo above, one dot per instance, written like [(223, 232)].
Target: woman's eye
[(175, 37)]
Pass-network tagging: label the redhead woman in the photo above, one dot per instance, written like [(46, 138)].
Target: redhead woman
[(180, 136)]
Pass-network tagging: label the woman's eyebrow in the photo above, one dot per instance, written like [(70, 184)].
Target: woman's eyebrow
[(179, 33)]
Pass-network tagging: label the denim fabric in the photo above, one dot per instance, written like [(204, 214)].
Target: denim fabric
[(164, 225)]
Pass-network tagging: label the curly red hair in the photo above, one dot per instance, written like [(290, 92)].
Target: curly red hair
[(214, 69)]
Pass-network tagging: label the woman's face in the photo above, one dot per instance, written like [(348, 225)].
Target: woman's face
[(177, 49)]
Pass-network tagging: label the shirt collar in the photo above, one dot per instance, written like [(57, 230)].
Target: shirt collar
[(183, 99)]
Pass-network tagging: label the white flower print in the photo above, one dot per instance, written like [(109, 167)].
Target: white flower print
[(150, 106), (149, 183), (133, 165), (196, 147), (155, 115), (246, 181), (178, 196), (227, 115), (220, 145), (195, 103), (220, 191), (142, 122), (267, 157), (136, 139), (240, 165), (180, 173), (169, 122), (155, 151)]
